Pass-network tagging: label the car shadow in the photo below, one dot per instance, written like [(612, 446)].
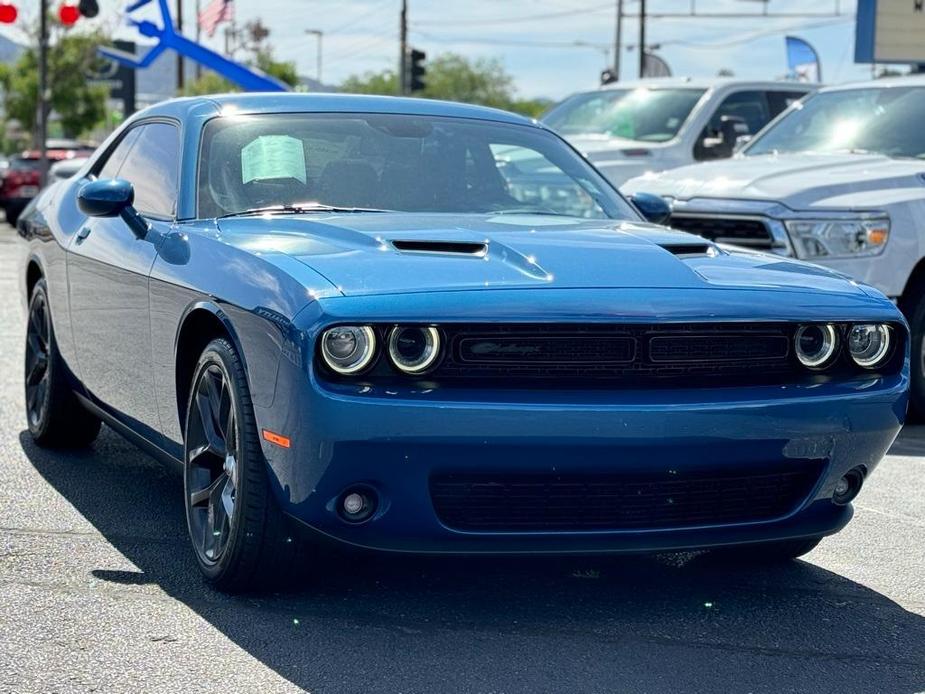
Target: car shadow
[(370, 623), (911, 441)]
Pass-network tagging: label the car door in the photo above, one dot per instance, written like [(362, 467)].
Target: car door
[(108, 269)]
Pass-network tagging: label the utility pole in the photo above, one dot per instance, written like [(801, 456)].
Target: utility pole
[(317, 33), (180, 75), (403, 49), (642, 38), (42, 121), (618, 41)]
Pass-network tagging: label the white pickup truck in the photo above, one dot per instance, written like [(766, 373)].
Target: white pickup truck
[(628, 128), (838, 180)]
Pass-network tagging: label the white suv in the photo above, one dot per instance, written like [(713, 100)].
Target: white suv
[(838, 180), (630, 128)]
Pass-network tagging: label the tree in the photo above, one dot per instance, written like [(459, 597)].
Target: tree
[(79, 105), (456, 78)]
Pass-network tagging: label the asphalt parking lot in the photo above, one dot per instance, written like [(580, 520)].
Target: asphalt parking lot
[(99, 592)]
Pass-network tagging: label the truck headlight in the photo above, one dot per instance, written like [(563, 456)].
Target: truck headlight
[(838, 238)]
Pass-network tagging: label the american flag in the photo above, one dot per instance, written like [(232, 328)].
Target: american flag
[(215, 13)]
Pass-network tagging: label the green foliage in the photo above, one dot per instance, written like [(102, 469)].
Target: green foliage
[(79, 105), (283, 70), (385, 82), (213, 83), (455, 78), (208, 83)]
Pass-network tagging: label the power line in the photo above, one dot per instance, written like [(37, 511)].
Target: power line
[(513, 20)]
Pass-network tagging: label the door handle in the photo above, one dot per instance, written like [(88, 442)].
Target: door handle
[(83, 234)]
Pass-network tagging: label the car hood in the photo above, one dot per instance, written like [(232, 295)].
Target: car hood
[(382, 253), (800, 181), (596, 147)]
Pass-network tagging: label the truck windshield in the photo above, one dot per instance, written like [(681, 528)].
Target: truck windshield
[(406, 163), (878, 120), (648, 115)]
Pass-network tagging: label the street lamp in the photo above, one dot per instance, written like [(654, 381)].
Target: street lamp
[(319, 34)]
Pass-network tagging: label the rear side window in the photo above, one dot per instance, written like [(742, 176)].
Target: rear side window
[(114, 161), (780, 101), (152, 165)]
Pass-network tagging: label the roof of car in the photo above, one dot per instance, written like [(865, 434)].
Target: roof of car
[(709, 82), (295, 102), (884, 83)]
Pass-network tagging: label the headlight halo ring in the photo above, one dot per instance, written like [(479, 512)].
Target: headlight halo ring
[(827, 350), (882, 352), (367, 355), (433, 343)]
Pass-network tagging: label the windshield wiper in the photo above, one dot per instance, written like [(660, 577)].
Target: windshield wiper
[(528, 210), (297, 209)]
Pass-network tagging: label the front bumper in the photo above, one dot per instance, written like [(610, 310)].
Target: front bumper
[(394, 442)]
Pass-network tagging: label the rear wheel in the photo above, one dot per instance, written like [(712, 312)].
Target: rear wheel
[(241, 538), (767, 552), (54, 415)]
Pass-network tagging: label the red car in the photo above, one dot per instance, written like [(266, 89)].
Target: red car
[(19, 182)]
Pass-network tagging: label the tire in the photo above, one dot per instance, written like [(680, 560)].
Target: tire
[(55, 417), (241, 539), (915, 313), (766, 552)]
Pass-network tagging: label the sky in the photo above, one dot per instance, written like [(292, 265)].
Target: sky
[(551, 47)]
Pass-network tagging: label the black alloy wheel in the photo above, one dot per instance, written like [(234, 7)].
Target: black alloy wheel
[(241, 538), (53, 413)]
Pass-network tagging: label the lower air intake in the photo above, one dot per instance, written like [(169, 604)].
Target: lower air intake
[(522, 502)]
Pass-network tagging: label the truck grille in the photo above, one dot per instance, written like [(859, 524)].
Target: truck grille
[(536, 502), (743, 231)]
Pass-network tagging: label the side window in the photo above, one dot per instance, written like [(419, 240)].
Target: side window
[(114, 161), (153, 167), (718, 140), (780, 101)]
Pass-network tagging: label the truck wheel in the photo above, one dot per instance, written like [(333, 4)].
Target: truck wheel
[(916, 316)]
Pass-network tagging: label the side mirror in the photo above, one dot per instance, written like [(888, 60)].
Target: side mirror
[(731, 128), (112, 197), (106, 197), (653, 207)]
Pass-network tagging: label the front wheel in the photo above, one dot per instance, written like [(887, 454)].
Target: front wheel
[(241, 538), (915, 313)]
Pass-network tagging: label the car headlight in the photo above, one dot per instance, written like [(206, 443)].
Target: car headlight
[(815, 344), (838, 238), (869, 344), (414, 349), (348, 349)]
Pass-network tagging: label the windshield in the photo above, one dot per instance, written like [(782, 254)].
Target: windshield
[(877, 120), (396, 162), (649, 115)]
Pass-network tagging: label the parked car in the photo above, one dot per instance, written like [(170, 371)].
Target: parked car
[(337, 316), (19, 182), (839, 180), (65, 168), (629, 128)]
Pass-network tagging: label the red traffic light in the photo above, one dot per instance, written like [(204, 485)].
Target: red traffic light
[(8, 13), (68, 14)]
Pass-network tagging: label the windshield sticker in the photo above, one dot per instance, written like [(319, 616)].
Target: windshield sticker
[(273, 156)]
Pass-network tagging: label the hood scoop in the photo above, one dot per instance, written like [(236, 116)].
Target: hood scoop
[(468, 248), (685, 250)]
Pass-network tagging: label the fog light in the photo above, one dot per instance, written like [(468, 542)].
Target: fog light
[(848, 486), (357, 504), (354, 503)]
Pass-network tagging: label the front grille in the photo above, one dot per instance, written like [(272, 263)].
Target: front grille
[(642, 501), (744, 231), (629, 354)]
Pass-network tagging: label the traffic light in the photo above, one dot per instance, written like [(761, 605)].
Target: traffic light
[(417, 71), (88, 8), (8, 13), (68, 14)]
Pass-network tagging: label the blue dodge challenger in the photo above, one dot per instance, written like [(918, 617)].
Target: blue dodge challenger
[(418, 326)]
